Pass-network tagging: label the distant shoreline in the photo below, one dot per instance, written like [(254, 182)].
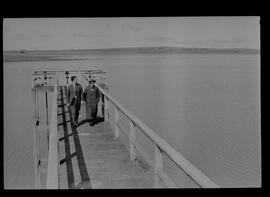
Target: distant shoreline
[(62, 55)]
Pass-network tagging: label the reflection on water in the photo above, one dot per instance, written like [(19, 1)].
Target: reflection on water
[(205, 106)]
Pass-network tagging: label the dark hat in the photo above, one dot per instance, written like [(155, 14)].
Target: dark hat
[(92, 80)]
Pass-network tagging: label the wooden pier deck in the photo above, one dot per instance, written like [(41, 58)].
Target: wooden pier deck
[(90, 156)]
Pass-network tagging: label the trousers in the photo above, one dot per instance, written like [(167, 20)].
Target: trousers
[(75, 110)]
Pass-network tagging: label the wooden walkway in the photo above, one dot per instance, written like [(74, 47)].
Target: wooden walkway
[(90, 156)]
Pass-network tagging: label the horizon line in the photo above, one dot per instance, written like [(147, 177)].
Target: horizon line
[(136, 47)]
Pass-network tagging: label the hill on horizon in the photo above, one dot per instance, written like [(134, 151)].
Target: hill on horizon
[(151, 48), (70, 54)]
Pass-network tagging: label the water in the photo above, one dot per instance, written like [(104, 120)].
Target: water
[(206, 106)]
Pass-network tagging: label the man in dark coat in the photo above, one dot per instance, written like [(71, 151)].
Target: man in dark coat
[(91, 96), (74, 99)]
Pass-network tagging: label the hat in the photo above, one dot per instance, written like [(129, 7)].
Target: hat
[(92, 80)]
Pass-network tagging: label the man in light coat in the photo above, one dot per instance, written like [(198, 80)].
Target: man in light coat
[(74, 99), (91, 95)]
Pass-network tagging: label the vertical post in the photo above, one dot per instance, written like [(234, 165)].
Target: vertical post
[(58, 159), (106, 109), (35, 143), (158, 166), (53, 159), (36, 160), (132, 141), (57, 78), (47, 118), (67, 73), (116, 122)]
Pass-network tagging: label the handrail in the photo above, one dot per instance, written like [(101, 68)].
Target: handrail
[(53, 171), (201, 179), (40, 72)]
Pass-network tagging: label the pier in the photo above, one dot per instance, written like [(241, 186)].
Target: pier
[(96, 157), (91, 157)]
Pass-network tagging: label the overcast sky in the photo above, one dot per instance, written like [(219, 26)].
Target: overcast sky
[(89, 33)]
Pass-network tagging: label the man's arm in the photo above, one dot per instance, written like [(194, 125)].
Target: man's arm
[(98, 94)]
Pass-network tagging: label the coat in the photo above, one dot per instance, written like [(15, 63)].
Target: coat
[(71, 99), (91, 98)]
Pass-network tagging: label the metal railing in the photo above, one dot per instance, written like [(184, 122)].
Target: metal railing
[(53, 161), (53, 138), (161, 146)]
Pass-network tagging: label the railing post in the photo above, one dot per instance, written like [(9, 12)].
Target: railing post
[(47, 118), (116, 122), (57, 78), (53, 160), (158, 166), (106, 109), (35, 143), (36, 160), (58, 159), (132, 141)]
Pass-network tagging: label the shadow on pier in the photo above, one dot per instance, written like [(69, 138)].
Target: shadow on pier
[(85, 181), (91, 157)]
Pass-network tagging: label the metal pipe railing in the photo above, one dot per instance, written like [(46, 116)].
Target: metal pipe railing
[(161, 146), (53, 163)]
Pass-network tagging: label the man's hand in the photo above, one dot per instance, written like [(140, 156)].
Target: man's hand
[(68, 104)]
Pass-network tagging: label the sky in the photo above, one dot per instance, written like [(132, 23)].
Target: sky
[(92, 33)]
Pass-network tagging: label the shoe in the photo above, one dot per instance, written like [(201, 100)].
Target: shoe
[(75, 125), (91, 123)]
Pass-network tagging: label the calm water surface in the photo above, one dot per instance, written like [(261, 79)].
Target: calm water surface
[(206, 106)]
